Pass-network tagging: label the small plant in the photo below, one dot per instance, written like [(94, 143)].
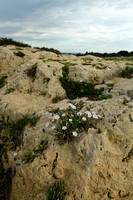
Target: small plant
[(68, 124), (20, 54), (127, 72), (30, 155), (2, 80), (32, 71), (9, 90), (56, 99), (11, 132), (56, 191), (104, 96), (43, 93)]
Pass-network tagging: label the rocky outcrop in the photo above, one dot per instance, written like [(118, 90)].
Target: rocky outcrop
[(98, 164)]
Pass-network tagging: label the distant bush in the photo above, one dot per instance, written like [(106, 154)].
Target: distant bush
[(48, 49), (10, 41), (127, 72), (118, 54), (20, 54)]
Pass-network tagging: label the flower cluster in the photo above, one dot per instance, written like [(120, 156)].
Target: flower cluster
[(68, 123)]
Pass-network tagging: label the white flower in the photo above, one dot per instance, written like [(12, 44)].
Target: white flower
[(64, 127), (63, 115), (95, 116), (52, 118), (61, 108), (88, 113), (100, 116), (47, 124), (53, 127), (84, 118), (75, 133), (70, 120), (57, 117), (50, 114), (72, 106), (15, 154), (94, 112), (72, 115), (81, 81), (79, 113)]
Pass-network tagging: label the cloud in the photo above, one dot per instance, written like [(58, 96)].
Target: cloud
[(73, 25)]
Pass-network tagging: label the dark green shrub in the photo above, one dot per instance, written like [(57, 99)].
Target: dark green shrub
[(20, 54), (75, 89), (56, 191), (2, 80)]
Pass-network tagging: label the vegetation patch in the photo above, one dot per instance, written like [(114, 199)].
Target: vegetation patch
[(127, 72), (37, 151), (69, 123), (56, 191), (10, 41), (9, 90), (20, 54), (32, 71), (56, 99), (2, 80), (104, 96), (11, 137), (11, 132)]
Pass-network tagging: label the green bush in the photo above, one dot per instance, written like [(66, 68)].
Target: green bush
[(56, 191), (75, 89), (127, 72)]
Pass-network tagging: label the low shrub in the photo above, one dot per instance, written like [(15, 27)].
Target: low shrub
[(68, 124), (20, 54), (127, 72)]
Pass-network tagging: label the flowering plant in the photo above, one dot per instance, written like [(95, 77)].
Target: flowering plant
[(68, 124)]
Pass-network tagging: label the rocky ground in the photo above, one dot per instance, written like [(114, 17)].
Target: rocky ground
[(98, 163)]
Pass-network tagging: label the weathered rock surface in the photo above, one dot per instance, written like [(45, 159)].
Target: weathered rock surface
[(95, 165)]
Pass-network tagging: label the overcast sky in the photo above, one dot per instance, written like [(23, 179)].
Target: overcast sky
[(69, 25)]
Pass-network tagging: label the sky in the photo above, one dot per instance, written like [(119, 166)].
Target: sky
[(69, 25)]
